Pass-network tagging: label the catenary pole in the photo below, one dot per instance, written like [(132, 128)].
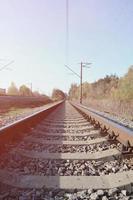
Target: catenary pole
[(82, 64)]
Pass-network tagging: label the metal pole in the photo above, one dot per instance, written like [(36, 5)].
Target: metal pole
[(31, 89), (82, 64), (81, 83)]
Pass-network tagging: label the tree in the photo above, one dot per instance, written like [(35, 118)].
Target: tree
[(57, 95), (124, 91), (12, 90), (25, 91), (99, 89), (86, 90), (74, 91)]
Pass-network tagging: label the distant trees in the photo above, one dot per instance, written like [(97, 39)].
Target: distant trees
[(124, 91), (25, 91), (98, 89), (58, 95), (108, 87), (110, 94), (13, 90), (74, 91), (103, 87), (86, 89), (2, 91)]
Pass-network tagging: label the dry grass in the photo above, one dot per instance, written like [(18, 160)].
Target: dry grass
[(118, 108), (10, 102), (14, 107), (14, 114)]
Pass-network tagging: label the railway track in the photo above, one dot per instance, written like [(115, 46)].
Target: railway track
[(65, 153)]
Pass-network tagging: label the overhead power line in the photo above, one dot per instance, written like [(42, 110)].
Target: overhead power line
[(67, 31), (72, 71), (6, 65)]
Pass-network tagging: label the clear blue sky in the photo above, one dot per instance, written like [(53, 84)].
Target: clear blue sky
[(33, 34)]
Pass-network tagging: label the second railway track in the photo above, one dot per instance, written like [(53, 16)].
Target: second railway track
[(64, 157)]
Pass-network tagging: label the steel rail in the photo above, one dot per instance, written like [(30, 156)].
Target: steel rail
[(16, 130), (30, 180), (125, 134)]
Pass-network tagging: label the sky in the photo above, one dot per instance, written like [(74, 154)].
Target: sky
[(33, 35)]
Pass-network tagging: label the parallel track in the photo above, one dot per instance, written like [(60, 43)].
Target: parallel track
[(62, 156)]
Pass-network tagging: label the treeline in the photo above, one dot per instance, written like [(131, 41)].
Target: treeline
[(110, 87), (23, 90), (110, 94)]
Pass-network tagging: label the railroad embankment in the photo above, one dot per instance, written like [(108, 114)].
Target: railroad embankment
[(6, 102), (13, 108)]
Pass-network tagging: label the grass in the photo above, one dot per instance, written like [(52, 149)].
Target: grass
[(122, 109), (16, 111), (12, 114)]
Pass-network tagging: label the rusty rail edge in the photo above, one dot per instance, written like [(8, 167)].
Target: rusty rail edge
[(16, 130), (124, 132)]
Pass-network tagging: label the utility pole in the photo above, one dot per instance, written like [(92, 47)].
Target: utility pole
[(82, 64), (31, 88)]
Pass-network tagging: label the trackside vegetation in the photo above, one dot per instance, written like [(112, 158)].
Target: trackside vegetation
[(111, 94)]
